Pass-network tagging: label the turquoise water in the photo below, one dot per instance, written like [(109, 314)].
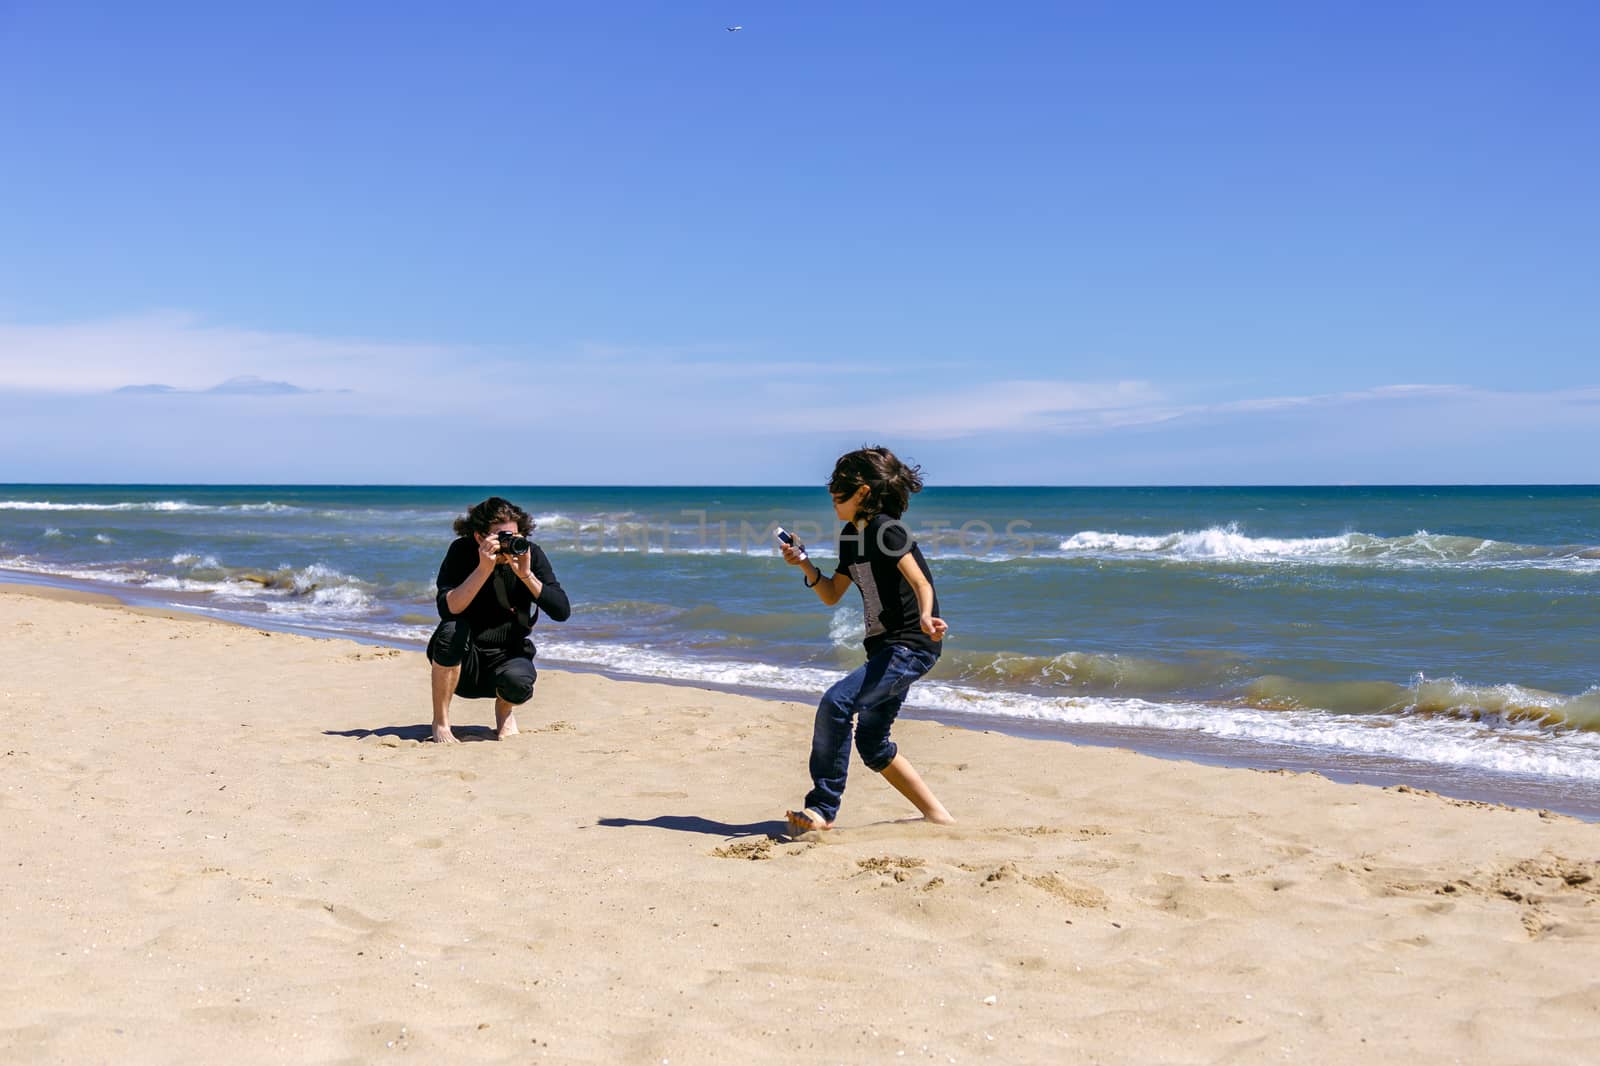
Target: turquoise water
[(1451, 627)]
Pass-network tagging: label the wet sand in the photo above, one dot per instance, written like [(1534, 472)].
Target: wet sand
[(224, 842)]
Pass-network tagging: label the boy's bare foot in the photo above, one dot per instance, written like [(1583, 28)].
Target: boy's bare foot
[(806, 821), (442, 735), (906, 781), (508, 728)]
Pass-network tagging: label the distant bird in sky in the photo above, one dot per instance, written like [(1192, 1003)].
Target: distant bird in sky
[(734, 29)]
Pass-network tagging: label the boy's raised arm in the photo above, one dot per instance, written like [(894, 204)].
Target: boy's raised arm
[(830, 589)]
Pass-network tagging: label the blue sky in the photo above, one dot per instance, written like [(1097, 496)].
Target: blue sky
[(1079, 243)]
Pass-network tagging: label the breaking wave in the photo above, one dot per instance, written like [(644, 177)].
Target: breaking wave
[(1419, 549), (315, 592), (162, 506)]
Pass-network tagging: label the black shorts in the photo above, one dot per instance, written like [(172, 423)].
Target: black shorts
[(508, 673)]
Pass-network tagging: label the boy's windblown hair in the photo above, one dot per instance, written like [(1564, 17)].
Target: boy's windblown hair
[(889, 481), (490, 513)]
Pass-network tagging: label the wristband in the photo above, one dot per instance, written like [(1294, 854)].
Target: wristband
[(812, 584)]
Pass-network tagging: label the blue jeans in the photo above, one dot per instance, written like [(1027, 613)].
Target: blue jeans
[(872, 695)]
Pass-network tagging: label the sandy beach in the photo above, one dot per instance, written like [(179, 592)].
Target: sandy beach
[(221, 843)]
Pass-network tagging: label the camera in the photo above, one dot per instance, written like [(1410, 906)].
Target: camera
[(512, 543)]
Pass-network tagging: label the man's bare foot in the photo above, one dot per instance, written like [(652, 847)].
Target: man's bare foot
[(442, 735), (505, 718), (806, 821)]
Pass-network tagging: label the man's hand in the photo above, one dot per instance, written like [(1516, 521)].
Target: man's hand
[(934, 627), (521, 565), (489, 553)]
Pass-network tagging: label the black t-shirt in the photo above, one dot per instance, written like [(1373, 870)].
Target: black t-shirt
[(871, 556), (502, 614)]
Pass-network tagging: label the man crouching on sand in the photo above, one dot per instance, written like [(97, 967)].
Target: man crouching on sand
[(492, 585)]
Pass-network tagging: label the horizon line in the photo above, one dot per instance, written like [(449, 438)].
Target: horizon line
[(807, 485)]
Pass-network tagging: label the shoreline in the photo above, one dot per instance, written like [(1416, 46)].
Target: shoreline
[(1577, 800)]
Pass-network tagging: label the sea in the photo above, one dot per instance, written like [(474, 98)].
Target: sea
[(1442, 638)]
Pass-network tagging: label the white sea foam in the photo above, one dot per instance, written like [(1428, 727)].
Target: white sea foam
[(339, 601), (1433, 740), (165, 583), (1500, 748), (145, 505), (844, 626), (399, 631), (1419, 549), (646, 662), (313, 592), (264, 508), (161, 506), (196, 562), (1214, 543), (113, 575)]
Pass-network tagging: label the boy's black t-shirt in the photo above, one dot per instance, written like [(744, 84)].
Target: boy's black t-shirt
[(871, 556), (501, 614)]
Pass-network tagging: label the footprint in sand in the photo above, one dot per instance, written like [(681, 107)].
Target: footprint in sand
[(1008, 875), (747, 849), (883, 863), (762, 848), (1067, 892), (894, 867), (1556, 895), (346, 918), (1082, 832)]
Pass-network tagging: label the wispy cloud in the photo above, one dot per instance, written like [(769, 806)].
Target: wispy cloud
[(1021, 406), (243, 385), (1087, 408), (1502, 408), (173, 352), (186, 353), (1380, 394)]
